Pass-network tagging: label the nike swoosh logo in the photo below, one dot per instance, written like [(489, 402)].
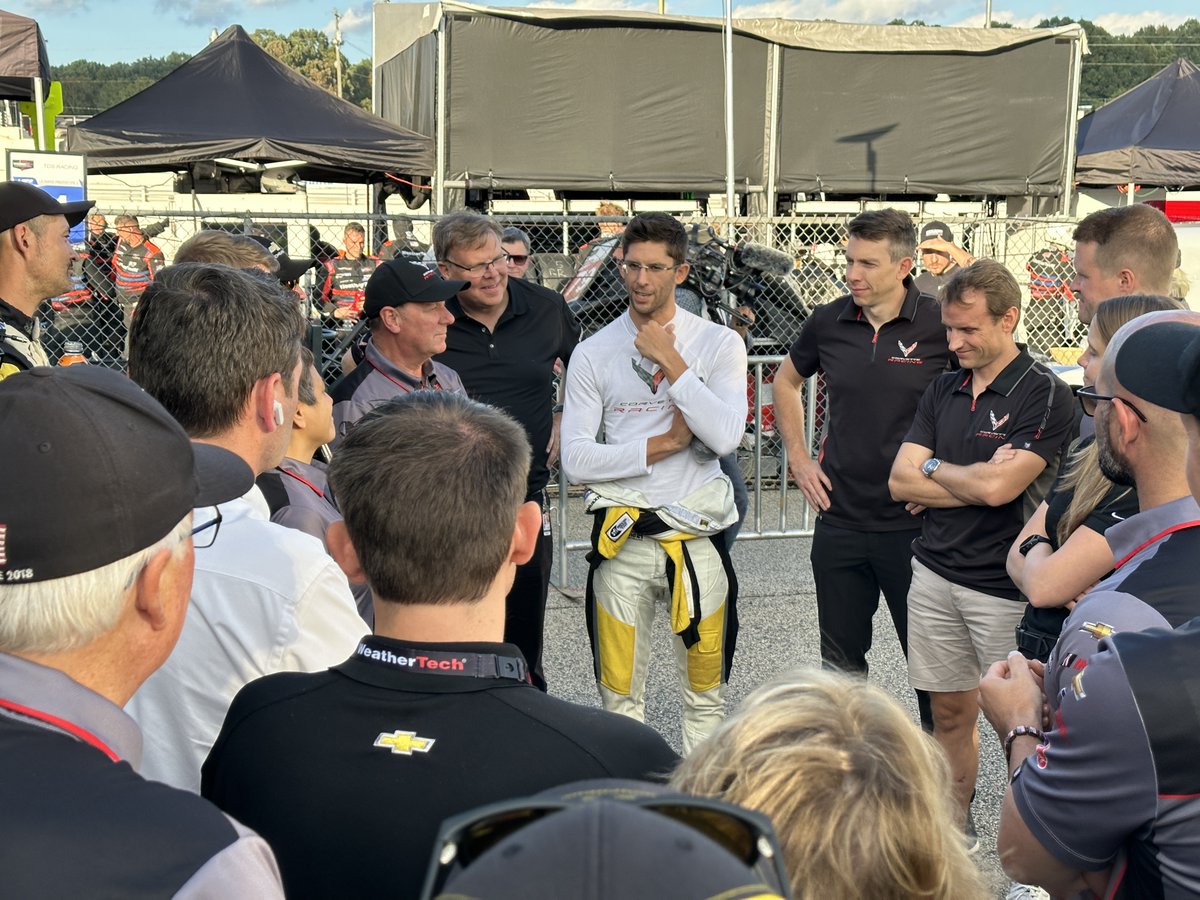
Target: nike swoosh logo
[(1118, 518)]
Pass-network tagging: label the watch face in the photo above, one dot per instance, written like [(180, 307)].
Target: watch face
[(930, 466)]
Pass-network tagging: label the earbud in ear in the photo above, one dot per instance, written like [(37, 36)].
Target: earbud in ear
[(278, 413)]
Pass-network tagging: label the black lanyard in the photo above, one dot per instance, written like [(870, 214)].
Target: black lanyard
[(461, 663)]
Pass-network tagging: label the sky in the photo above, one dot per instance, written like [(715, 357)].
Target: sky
[(108, 31)]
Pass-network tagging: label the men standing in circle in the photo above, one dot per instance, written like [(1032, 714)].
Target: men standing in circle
[(407, 316), (963, 608), (668, 389), (940, 258), (1120, 251), (879, 347), (346, 276), (36, 259), (136, 262), (349, 772), (506, 336)]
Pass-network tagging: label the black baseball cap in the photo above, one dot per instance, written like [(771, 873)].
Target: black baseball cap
[(936, 230), (400, 281), (20, 202), (289, 269), (95, 469), (1160, 363)]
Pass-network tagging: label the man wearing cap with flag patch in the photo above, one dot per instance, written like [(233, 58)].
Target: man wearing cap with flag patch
[(96, 561), (35, 264), (405, 308), (940, 258)]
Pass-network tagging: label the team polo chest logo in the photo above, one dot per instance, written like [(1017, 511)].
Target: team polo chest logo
[(652, 381), (404, 743), (907, 354), (997, 424)]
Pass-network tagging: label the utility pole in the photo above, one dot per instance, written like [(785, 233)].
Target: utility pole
[(337, 48)]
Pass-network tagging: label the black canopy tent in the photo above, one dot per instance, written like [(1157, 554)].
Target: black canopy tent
[(24, 65), (233, 100), (1149, 135)]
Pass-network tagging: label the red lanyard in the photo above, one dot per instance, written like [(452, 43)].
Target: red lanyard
[(316, 490), (1182, 526), (69, 727), (433, 384)]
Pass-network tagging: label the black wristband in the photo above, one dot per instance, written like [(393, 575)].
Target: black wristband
[(1032, 541)]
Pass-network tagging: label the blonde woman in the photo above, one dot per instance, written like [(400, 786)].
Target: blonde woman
[(858, 794), (1061, 552)]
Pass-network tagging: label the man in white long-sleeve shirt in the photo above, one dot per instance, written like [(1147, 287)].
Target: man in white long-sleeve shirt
[(668, 393)]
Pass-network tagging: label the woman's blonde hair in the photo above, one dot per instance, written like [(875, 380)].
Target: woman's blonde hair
[(1082, 476), (859, 796)]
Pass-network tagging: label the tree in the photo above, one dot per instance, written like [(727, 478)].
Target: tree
[(311, 53)]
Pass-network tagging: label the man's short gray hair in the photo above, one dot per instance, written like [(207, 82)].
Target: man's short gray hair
[(63, 614)]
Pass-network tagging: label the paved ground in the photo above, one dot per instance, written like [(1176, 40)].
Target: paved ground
[(778, 618)]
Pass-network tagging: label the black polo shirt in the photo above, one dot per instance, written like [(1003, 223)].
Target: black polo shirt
[(1026, 406), (873, 382), (349, 773), (513, 367)]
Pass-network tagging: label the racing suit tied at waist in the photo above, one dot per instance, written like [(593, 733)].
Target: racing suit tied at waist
[(704, 512)]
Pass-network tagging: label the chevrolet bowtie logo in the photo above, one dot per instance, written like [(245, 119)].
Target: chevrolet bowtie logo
[(405, 743)]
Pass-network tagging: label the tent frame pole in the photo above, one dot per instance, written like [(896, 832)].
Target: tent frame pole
[(1072, 129), (39, 106), (439, 164)]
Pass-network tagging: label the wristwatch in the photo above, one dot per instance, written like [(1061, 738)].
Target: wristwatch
[(930, 466), (1032, 541)]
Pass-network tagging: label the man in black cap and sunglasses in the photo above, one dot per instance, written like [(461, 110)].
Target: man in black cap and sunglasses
[(1105, 794), (432, 714), (96, 559), (36, 257)]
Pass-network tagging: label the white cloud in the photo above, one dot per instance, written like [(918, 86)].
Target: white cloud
[(218, 13), (842, 10), (595, 4), (1000, 15), (355, 19), (1128, 23), (35, 8)]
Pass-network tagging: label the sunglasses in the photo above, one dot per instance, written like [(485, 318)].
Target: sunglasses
[(518, 259), (1088, 398), (746, 834)]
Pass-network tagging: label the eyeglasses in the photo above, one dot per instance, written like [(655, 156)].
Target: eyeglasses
[(745, 833), (635, 269), (1088, 398), (205, 535), (502, 259), (518, 259)]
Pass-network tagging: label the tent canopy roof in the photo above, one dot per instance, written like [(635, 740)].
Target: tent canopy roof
[(234, 100), (1148, 135), (22, 57)]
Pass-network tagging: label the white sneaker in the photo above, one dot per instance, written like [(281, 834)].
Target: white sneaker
[(1026, 892)]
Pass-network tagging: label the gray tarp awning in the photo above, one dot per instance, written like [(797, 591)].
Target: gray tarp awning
[(631, 101), (1149, 135), (234, 100), (22, 57)]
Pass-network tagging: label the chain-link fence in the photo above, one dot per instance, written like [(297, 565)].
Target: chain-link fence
[(575, 255), (1036, 251)]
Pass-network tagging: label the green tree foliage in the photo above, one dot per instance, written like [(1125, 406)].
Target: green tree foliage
[(1118, 62), (91, 87)]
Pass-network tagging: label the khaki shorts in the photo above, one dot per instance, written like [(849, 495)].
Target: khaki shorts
[(954, 632)]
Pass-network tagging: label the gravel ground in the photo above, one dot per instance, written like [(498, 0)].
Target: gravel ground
[(778, 615)]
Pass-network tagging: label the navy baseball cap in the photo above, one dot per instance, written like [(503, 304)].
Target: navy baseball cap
[(95, 469), (20, 202), (399, 281), (1160, 363)]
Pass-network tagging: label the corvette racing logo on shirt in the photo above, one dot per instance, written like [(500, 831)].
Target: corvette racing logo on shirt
[(404, 743), (997, 424), (907, 356), (652, 381)]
